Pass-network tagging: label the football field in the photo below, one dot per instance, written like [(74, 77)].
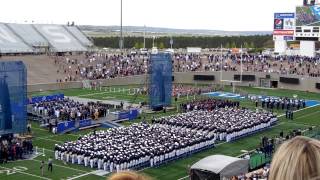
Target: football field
[(45, 141)]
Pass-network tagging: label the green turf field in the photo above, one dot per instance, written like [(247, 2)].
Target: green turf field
[(30, 169)]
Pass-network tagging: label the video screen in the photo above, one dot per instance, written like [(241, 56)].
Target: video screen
[(308, 15)]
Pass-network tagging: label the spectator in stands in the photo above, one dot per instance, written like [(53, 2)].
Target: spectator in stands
[(13, 149), (100, 65), (297, 159), (128, 175)]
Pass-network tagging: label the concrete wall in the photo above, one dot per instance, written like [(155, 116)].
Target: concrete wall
[(54, 86), (306, 83)]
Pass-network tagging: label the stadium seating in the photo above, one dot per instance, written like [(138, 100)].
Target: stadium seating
[(29, 35), (40, 38), (59, 38), (41, 69), (79, 35), (10, 42)]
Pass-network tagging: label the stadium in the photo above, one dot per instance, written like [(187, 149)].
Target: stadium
[(73, 106)]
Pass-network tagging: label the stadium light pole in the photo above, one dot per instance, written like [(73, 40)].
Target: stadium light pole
[(221, 64), (121, 34), (144, 37), (241, 70)]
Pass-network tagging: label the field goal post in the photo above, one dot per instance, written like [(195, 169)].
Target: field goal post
[(86, 84), (234, 82)]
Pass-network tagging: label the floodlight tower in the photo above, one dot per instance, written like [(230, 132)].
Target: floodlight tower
[(121, 33), (144, 37)]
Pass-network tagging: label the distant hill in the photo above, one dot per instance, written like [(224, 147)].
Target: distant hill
[(150, 31)]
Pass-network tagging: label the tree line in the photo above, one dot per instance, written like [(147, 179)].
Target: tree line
[(257, 41)]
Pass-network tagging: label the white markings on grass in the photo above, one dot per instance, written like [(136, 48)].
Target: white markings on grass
[(316, 112), (76, 177), (39, 129), (20, 170), (281, 115), (100, 172), (92, 94), (50, 140), (13, 170), (66, 167), (183, 178)]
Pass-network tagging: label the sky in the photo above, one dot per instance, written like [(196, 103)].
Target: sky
[(229, 15)]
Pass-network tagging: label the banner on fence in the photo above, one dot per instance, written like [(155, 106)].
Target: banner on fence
[(85, 123), (132, 114), (38, 99), (63, 126)]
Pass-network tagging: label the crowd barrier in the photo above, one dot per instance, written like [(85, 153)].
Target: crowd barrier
[(63, 126), (68, 125), (85, 123), (306, 83), (131, 115)]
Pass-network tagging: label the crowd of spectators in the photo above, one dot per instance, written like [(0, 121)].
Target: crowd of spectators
[(101, 66), (187, 62), (12, 149), (68, 109), (94, 66)]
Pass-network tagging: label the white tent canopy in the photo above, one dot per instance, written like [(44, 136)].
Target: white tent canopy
[(221, 166), (194, 50)]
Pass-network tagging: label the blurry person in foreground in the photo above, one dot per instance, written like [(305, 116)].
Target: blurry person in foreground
[(297, 159), (128, 175)]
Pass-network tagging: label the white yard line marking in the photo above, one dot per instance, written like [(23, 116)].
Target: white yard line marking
[(39, 129), (26, 173), (281, 115), (50, 140), (76, 177), (316, 112), (92, 94), (183, 178), (74, 135), (64, 167), (47, 149)]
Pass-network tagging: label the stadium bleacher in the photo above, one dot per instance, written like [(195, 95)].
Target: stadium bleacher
[(59, 38), (41, 38), (79, 35), (29, 35), (10, 42)]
